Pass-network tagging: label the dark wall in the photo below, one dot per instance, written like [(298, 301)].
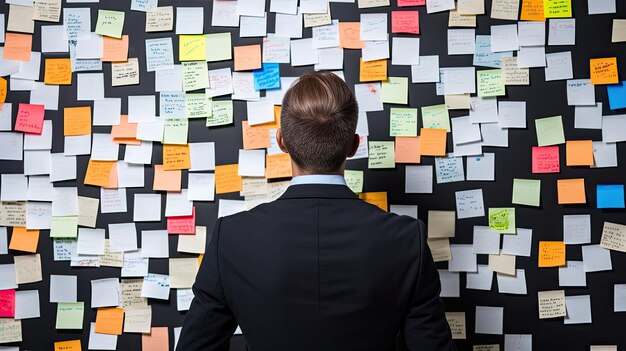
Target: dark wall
[(593, 36)]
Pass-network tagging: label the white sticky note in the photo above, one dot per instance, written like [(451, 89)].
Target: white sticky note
[(596, 258), (512, 284), (147, 208), (481, 167), (518, 244), (63, 288), (518, 342), (419, 179), (90, 241), (619, 298), (573, 274), (27, 304), (504, 38), (122, 237), (463, 258), (489, 320), (99, 341), (559, 66), (486, 240), (604, 154), (106, 292), (450, 283), (482, 279), (251, 163), (588, 117), (189, 20), (578, 309), (154, 244), (156, 286), (461, 41), (577, 229), (562, 31)]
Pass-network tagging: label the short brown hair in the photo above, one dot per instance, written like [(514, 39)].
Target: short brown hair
[(318, 121)]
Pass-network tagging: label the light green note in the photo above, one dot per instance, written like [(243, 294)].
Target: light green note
[(381, 154), (218, 47), (526, 191), (502, 219), (403, 121), (110, 23), (64, 227), (175, 131), (395, 90), (436, 117), (490, 83), (354, 180), (550, 131), (70, 315)]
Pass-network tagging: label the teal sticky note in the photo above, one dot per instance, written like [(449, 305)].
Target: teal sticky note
[(617, 95), (267, 77), (610, 195)]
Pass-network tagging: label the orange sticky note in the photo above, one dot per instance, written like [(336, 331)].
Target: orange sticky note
[(278, 166), (603, 70), (571, 191), (227, 179), (176, 157), (58, 71), (3, 91), (17, 46), (77, 120), (375, 198), (551, 253), (124, 129), (24, 240), (433, 142), (110, 321), (373, 70), (115, 50), (70, 345), (166, 180), (350, 35), (532, 10), (247, 57), (255, 137), (276, 123), (101, 173), (579, 153), (408, 150), (157, 340), (405, 22)]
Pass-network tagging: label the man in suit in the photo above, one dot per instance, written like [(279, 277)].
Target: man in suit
[(318, 269)]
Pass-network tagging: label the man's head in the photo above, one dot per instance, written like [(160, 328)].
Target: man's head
[(318, 123)]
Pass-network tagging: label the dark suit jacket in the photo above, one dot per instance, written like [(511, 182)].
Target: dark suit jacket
[(320, 270)]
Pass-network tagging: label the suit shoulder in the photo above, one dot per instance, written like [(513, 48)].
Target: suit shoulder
[(260, 211)]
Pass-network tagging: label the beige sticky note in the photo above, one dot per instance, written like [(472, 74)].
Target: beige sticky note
[(493, 347), (111, 259), (183, 272), (504, 264), (471, 7), (253, 186), (440, 249), (613, 237), (125, 73), (512, 74), (505, 9), (195, 243), (551, 304), (619, 30), (137, 319), (458, 20), (441, 224), (27, 269), (603, 348), (458, 102), (456, 321), (13, 213), (131, 293), (160, 19), (10, 330), (20, 19), (87, 211), (317, 19), (47, 10)]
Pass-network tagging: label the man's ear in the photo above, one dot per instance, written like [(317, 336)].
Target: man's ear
[(280, 141), (355, 145)]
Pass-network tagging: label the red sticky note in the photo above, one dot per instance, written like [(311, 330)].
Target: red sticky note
[(7, 303), (182, 224), (402, 3), (405, 22), (29, 118), (546, 159)]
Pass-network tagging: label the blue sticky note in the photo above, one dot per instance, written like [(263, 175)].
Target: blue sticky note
[(267, 77), (610, 195), (617, 95)]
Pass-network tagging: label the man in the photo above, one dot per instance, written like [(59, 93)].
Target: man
[(318, 269)]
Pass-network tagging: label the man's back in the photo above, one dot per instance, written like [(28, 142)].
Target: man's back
[(319, 269)]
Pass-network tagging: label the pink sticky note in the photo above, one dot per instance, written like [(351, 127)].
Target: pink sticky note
[(182, 224), (402, 3), (405, 22), (29, 118), (7, 303), (546, 159)]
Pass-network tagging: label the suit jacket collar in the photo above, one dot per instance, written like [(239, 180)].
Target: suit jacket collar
[(328, 191)]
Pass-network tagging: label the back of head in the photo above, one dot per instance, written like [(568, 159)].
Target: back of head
[(318, 121)]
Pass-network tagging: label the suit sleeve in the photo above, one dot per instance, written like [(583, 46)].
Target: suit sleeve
[(425, 326), (209, 323)]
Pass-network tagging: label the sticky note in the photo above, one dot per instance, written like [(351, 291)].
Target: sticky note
[(502, 220), (378, 199), (70, 315), (278, 166), (3, 91), (110, 321), (526, 192), (433, 142), (436, 117), (17, 46), (176, 157), (579, 153), (7, 303), (58, 71), (354, 180), (557, 8), (65, 227), (24, 240), (571, 191), (381, 154), (372, 70), (610, 195), (29, 118), (350, 35), (532, 10), (403, 121), (77, 120), (175, 131), (166, 180), (408, 150), (268, 77), (545, 159), (255, 137), (157, 340), (70, 345), (247, 57), (551, 253), (617, 95), (403, 3), (550, 131), (110, 23), (182, 224), (405, 22), (220, 47), (227, 179), (395, 90), (114, 50), (101, 173), (603, 70), (124, 129), (490, 83), (192, 48)]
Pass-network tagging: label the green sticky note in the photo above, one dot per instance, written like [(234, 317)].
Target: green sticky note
[(381, 154), (221, 114), (70, 315), (197, 106), (490, 83), (502, 219), (218, 47), (354, 180), (64, 227), (526, 191), (175, 131), (195, 75), (436, 117), (403, 121), (110, 23), (395, 90), (550, 131)]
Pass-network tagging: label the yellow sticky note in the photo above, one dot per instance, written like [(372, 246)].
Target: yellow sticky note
[(373, 70), (58, 71), (603, 70), (551, 253), (192, 48), (571, 191), (579, 153), (557, 8), (24, 240), (378, 199), (395, 90)]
